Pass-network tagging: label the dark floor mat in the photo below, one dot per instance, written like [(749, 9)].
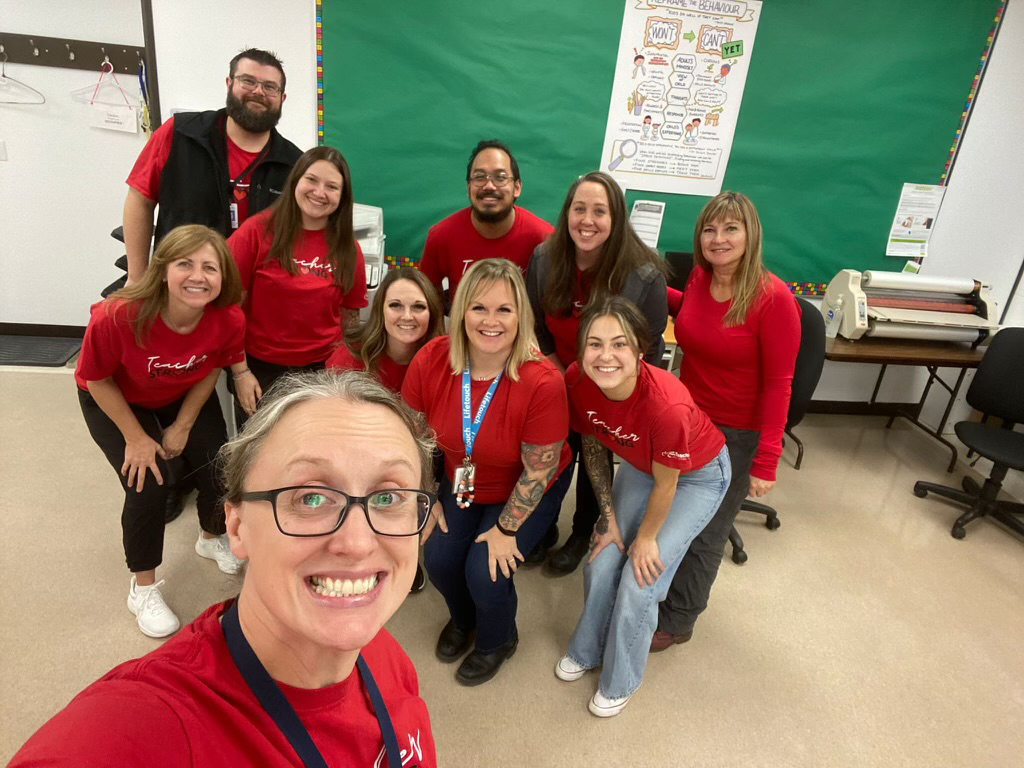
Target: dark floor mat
[(37, 350)]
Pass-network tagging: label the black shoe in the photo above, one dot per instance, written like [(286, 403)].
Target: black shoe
[(478, 668), (175, 505), (419, 581), (567, 559), (453, 643), (540, 552)]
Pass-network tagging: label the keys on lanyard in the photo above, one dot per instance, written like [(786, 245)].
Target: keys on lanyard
[(465, 476)]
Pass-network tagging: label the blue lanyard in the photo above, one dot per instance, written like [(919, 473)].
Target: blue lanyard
[(470, 431), (280, 710)]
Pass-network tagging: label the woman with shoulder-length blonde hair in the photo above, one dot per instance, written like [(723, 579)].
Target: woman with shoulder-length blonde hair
[(592, 255), (303, 274), (739, 328), (500, 414), (406, 313), (149, 363)]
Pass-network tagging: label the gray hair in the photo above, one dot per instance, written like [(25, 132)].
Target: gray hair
[(237, 456)]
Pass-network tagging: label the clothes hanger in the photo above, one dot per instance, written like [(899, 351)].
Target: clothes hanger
[(14, 91), (109, 93)]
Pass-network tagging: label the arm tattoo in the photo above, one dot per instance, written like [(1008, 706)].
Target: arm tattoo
[(595, 458), (349, 319), (540, 462)]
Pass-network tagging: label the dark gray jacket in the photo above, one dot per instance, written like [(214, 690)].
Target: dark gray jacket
[(645, 287)]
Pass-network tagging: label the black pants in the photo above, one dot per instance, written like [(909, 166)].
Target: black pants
[(691, 586), (142, 516), (266, 374), (587, 508)]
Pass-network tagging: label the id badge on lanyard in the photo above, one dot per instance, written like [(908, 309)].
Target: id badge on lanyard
[(464, 481), (233, 210)]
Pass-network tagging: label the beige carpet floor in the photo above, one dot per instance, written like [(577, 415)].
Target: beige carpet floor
[(858, 634)]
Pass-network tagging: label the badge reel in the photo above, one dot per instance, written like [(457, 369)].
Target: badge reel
[(464, 488)]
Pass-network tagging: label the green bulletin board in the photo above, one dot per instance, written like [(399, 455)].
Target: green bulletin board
[(844, 102)]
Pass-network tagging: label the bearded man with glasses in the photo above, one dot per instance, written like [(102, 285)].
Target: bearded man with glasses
[(214, 168), (492, 227)]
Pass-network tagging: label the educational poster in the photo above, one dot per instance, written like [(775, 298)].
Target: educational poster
[(912, 225), (676, 97)]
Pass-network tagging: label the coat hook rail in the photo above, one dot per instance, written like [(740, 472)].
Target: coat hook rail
[(71, 54)]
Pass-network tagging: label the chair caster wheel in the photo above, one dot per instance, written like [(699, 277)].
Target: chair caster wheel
[(739, 556), (919, 491), (958, 532), (772, 523)]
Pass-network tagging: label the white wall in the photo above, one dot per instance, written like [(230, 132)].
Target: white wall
[(62, 187), (193, 55)]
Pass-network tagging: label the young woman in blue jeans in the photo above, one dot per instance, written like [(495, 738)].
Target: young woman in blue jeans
[(673, 472)]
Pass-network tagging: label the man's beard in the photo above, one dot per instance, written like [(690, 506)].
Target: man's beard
[(253, 122), (493, 216)]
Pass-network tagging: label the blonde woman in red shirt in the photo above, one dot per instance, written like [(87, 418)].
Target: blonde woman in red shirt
[(739, 328)]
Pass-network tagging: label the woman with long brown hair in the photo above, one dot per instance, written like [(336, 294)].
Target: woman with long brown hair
[(150, 360), (593, 254), (303, 274), (739, 328)]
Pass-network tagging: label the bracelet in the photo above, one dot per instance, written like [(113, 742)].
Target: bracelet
[(507, 532), (240, 373)]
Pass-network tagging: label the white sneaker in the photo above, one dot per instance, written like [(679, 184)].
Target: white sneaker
[(568, 670), (154, 618), (218, 549), (603, 707)]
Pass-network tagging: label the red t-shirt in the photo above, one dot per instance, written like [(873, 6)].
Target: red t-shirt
[(741, 376), (453, 245), (564, 329), (659, 422), (145, 175), (292, 320), (389, 373), (169, 364), (532, 410), (186, 704)]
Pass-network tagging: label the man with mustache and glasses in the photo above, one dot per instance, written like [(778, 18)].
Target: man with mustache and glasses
[(215, 167), (492, 227)]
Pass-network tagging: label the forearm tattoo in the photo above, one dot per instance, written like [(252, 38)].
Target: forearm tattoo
[(540, 462), (595, 459), (349, 319)]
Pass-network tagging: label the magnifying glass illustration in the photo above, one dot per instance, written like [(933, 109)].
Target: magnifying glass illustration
[(626, 149)]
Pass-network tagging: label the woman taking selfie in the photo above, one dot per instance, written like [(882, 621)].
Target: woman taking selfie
[(500, 415), (150, 360), (673, 472), (327, 487)]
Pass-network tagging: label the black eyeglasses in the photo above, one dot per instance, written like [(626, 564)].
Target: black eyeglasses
[(499, 179), (249, 84), (313, 510)]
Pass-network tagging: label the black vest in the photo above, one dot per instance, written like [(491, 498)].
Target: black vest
[(194, 182)]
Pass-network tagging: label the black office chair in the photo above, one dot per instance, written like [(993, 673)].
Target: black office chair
[(680, 264), (996, 390), (810, 359)]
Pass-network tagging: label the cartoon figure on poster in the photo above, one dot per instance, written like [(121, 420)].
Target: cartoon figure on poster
[(692, 129), (646, 127), (723, 73), (638, 65)]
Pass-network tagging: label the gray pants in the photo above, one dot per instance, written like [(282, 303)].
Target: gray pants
[(691, 586)]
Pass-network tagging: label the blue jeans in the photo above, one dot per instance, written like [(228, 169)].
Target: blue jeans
[(620, 616), (458, 567)]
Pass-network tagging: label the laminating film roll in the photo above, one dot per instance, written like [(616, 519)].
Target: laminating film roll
[(919, 332), (905, 281)]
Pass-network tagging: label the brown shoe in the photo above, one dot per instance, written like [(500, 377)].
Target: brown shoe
[(663, 640)]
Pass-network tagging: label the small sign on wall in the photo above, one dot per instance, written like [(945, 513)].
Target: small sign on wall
[(111, 118)]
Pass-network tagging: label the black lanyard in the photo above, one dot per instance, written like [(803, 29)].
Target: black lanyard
[(232, 183), (282, 713)]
